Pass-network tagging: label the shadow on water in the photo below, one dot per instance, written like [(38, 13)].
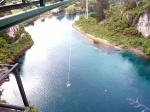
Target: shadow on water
[(71, 17), (60, 17), (105, 48), (42, 20), (141, 64), (21, 62)]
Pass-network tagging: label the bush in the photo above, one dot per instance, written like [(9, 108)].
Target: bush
[(147, 7), (70, 9), (6, 37), (130, 5), (130, 31), (148, 51), (2, 42), (2, 101), (92, 14)]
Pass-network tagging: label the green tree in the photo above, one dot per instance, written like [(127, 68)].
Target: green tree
[(99, 11), (104, 3), (2, 42), (70, 9)]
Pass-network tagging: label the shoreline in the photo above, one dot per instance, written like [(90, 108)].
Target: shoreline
[(23, 50), (98, 40)]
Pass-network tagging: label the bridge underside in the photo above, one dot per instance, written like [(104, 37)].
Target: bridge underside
[(8, 21)]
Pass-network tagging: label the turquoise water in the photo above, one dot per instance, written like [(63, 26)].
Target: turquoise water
[(102, 78)]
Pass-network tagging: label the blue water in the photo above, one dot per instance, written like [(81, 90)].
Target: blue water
[(102, 78)]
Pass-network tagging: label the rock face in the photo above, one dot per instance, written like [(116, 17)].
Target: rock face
[(12, 31), (143, 24)]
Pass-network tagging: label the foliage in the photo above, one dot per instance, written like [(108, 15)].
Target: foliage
[(131, 39), (99, 11), (70, 9), (104, 3), (9, 49), (130, 5), (16, 11), (32, 108), (2, 101), (6, 37), (2, 42), (119, 25), (147, 7), (130, 31)]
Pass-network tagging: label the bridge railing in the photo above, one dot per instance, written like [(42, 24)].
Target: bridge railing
[(8, 21)]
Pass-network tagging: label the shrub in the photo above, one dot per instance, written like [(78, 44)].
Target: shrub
[(130, 5), (2, 101), (147, 7), (70, 9), (148, 51), (130, 31), (2, 42), (92, 14)]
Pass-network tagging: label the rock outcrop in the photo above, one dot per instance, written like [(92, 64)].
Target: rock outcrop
[(143, 24), (12, 31)]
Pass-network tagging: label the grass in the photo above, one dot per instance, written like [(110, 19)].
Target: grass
[(16, 11)]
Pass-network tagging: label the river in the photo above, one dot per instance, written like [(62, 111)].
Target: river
[(102, 78)]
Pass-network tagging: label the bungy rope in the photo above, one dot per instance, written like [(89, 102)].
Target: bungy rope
[(68, 84)]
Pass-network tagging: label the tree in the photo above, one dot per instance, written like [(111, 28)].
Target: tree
[(99, 11), (2, 42), (70, 9), (104, 3)]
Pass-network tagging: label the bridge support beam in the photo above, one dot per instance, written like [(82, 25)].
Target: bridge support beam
[(42, 3), (23, 1)]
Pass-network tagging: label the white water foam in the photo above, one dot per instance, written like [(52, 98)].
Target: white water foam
[(138, 104)]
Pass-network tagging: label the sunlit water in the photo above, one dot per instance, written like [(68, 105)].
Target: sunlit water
[(102, 78)]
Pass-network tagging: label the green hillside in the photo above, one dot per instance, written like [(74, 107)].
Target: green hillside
[(119, 25), (11, 47)]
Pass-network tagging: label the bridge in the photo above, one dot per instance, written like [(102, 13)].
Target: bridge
[(11, 20)]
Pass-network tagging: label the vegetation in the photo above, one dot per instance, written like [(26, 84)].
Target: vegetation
[(119, 24), (71, 9), (16, 11), (32, 108), (9, 47), (2, 101), (99, 11)]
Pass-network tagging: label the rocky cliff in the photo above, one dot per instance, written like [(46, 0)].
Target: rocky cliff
[(12, 31), (143, 24)]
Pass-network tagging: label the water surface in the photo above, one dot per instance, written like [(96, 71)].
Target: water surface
[(102, 78)]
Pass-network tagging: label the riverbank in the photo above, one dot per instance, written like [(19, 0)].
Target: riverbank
[(98, 40), (23, 50)]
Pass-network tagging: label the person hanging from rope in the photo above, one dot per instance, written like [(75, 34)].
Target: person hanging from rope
[(68, 84)]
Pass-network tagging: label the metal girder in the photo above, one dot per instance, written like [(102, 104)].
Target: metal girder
[(42, 3), (20, 108), (31, 3), (8, 21), (16, 6), (14, 69)]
